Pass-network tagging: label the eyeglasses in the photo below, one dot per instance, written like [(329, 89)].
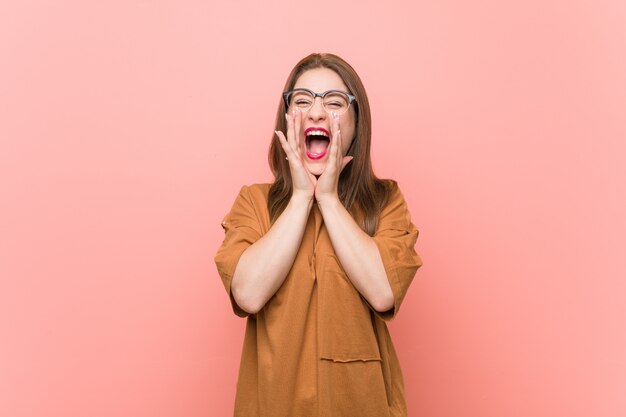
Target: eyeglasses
[(333, 100)]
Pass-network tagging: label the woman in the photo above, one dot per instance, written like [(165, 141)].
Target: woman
[(319, 260)]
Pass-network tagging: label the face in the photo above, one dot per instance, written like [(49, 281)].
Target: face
[(316, 119)]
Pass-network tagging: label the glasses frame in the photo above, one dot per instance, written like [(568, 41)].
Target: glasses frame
[(351, 98)]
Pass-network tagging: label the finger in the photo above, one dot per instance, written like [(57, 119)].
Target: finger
[(289, 116), (338, 144), (334, 125), (298, 123), (336, 135), (282, 140), (285, 145), (332, 153)]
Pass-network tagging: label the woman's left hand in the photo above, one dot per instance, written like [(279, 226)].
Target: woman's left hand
[(326, 187)]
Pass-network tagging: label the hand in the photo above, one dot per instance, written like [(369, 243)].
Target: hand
[(302, 180), (327, 183)]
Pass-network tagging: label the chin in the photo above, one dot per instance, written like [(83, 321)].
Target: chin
[(316, 167)]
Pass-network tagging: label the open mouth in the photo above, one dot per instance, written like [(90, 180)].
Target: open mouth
[(317, 140)]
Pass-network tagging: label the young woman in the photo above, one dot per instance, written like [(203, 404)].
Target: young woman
[(319, 260)]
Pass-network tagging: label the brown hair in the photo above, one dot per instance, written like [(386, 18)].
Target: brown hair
[(361, 193)]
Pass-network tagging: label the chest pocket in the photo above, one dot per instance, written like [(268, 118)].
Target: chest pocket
[(345, 320)]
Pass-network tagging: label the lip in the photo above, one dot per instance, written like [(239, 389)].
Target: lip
[(313, 129), (318, 129)]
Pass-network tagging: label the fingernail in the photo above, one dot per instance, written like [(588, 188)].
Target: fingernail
[(334, 115)]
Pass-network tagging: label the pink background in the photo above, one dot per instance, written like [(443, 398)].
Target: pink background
[(128, 127)]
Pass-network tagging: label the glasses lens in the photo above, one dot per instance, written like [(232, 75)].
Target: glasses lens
[(302, 99), (337, 102)]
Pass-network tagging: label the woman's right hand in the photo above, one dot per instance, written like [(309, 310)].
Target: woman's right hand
[(303, 181)]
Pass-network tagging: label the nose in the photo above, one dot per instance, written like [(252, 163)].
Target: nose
[(317, 112)]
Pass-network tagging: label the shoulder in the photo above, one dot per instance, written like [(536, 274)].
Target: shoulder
[(392, 193), (395, 209), (249, 209), (254, 197), (255, 193), (392, 188)]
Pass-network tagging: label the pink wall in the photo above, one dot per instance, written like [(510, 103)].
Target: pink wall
[(128, 127)]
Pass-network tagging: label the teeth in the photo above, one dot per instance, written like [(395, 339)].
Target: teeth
[(317, 133)]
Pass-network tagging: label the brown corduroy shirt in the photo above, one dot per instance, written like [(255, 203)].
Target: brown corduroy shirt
[(317, 348)]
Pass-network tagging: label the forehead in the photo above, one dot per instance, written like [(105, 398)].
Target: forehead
[(320, 80)]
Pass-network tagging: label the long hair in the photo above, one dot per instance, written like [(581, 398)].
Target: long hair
[(360, 192)]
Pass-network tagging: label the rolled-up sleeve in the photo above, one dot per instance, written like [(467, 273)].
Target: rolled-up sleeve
[(395, 238), (241, 227)]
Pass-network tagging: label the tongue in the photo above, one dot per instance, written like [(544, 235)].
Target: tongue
[(317, 146)]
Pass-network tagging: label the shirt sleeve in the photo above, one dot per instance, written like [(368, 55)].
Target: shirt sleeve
[(395, 238), (242, 229)]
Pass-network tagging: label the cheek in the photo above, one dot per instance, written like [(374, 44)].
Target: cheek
[(347, 127)]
